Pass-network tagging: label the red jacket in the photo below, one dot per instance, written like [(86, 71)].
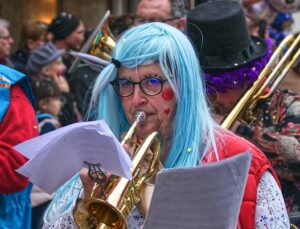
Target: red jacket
[(19, 124), (229, 145)]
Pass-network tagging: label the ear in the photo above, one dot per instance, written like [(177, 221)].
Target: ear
[(42, 105), (46, 71), (181, 23)]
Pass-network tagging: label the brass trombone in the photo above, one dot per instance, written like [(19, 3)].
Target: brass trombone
[(121, 194), (280, 63)]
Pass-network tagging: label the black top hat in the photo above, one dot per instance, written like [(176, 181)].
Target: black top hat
[(219, 32)]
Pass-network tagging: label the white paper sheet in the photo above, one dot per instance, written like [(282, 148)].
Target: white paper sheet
[(56, 156), (205, 197)]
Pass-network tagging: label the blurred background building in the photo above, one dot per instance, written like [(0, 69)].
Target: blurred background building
[(90, 11)]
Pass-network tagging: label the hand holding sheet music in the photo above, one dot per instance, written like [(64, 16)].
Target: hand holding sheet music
[(58, 155)]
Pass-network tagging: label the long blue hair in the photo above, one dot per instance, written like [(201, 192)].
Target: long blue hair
[(193, 127), (193, 132)]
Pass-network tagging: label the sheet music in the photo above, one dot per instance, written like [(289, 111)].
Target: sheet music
[(199, 198), (56, 156)]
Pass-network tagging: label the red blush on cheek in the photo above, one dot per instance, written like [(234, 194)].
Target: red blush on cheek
[(167, 111), (167, 94)]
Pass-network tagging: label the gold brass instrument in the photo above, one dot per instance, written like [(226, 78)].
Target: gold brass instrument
[(100, 43), (103, 43), (280, 63), (120, 195)]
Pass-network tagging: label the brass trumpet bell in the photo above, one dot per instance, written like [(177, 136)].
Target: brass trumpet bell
[(97, 213), (103, 43), (120, 195)]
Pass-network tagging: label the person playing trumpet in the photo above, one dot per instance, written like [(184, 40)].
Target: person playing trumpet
[(155, 70)]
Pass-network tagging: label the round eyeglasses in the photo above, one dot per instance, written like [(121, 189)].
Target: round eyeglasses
[(149, 86)]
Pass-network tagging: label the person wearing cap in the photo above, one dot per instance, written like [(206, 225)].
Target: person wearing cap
[(46, 61), (68, 34), (231, 60)]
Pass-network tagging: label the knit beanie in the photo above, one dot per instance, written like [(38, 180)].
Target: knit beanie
[(41, 57), (63, 25)]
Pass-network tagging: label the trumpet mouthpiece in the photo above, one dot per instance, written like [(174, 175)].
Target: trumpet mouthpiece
[(140, 116)]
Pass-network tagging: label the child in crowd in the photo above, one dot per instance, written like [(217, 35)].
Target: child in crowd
[(49, 103)]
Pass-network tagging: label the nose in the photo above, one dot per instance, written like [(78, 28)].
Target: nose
[(138, 97)]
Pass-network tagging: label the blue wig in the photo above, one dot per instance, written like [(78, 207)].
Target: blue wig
[(193, 127)]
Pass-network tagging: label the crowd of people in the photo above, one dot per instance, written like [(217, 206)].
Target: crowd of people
[(186, 69)]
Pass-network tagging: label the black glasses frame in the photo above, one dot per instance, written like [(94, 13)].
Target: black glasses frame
[(115, 84)]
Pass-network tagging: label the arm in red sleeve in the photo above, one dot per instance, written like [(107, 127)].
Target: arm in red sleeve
[(18, 125)]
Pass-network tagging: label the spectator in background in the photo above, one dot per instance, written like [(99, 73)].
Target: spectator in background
[(171, 12), (46, 61), (48, 99), (81, 81), (49, 103), (32, 36), (5, 43), (17, 124), (68, 34)]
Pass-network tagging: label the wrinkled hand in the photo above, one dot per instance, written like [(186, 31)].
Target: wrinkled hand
[(88, 183)]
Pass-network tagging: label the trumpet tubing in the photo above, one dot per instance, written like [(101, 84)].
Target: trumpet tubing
[(122, 194)]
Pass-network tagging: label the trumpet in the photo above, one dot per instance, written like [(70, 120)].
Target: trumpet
[(121, 194)]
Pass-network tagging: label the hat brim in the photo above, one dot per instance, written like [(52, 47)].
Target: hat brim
[(57, 54), (258, 48)]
